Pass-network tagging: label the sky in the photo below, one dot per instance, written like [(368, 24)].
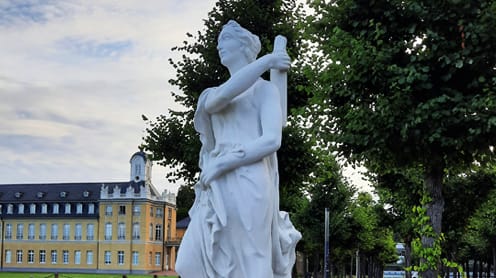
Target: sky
[(75, 78)]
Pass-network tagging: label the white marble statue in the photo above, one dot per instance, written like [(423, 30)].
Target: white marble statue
[(236, 228)]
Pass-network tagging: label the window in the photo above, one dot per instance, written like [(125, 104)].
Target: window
[(120, 257), (63, 194), (91, 208), (19, 256), (150, 232), (31, 231), (78, 234), (1, 208), (20, 231), (86, 193), (108, 231), (122, 210), (55, 209), (30, 256), (77, 257), (42, 256), (54, 232), (44, 208), (20, 208), (121, 231), (10, 208), (90, 232), (8, 231), (169, 211), (136, 210), (65, 256), (32, 208), (160, 212), (89, 257), (151, 211), (108, 257), (135, 258), (150, 258), (43, 231), (136, 230), (8, 256), (79, 208), (67, 208), (158, 257), (158, 232), (66, 232), (108, 210), (54, 256)]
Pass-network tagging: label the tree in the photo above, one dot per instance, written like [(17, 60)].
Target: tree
[(328, 190), (407, 83), (399, 192), (481, 230), (372, 238), (171, 138)]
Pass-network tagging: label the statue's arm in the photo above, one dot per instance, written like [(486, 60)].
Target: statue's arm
[(267, 95), (243, 79)]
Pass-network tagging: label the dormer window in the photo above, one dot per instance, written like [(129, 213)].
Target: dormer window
[(63, 194), (18, 194), (40, 194), (86, 194)]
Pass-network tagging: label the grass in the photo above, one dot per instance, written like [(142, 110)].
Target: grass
[(74, 275)]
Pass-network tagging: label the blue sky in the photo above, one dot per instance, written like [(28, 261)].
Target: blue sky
[(75, 78)]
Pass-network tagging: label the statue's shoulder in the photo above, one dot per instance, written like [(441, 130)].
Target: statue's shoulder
[(263, 86)]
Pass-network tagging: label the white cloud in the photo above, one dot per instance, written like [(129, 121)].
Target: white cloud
[(75, 77)]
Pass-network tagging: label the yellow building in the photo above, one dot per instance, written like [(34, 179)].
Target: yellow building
[(114, 227)]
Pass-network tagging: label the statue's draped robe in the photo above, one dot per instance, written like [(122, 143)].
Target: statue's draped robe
[(236, 228)]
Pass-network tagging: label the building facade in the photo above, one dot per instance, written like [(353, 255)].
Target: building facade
[(114, 227)]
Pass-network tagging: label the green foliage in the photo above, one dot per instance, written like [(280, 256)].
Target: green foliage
[(481, 229), (184, 201), (406, 80), (327, 190), (371, 236), (428, 244), (403, 84)]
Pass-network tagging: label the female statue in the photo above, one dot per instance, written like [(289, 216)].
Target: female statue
[(236, 228)]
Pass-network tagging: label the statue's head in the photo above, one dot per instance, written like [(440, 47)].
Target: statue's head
[(249, 43)]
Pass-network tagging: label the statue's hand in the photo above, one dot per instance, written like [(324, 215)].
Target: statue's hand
[(216, 167), (280, 60)]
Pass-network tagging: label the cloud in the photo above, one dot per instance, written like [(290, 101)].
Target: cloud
[(75, 78)]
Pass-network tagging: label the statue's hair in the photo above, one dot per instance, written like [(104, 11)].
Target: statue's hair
[(248, 39)]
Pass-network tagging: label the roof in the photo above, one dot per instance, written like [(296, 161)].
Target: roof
[(140, 153), (183, 223), (46, 192)]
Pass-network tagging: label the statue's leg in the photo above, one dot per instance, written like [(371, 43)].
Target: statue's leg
[(250, 217), (189, 261)]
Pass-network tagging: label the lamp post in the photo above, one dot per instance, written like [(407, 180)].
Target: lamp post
[(326, 244)]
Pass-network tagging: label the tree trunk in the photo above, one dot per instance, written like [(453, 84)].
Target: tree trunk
[(494, 259), (316, 264), (433, 185), (408, 257), (351, 266)]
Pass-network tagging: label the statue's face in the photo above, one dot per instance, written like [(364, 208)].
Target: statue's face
[(230, 47)]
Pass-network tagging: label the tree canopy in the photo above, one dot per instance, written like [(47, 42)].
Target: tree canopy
[(407, 84)]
